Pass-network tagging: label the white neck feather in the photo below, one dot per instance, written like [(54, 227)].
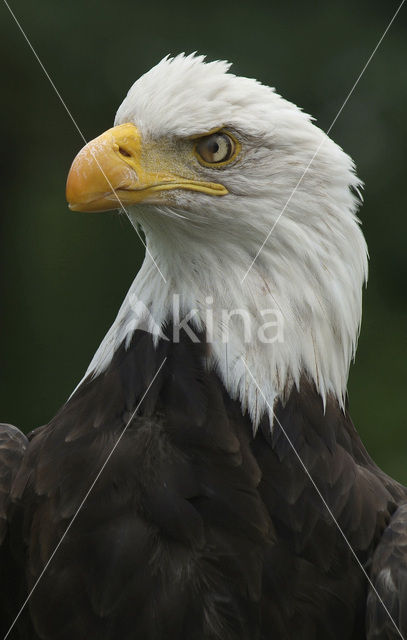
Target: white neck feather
[(312, 286)]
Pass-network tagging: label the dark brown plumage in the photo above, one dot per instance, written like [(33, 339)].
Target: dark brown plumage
[(195, 530)]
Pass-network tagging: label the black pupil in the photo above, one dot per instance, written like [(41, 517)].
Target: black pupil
[(213, 147)]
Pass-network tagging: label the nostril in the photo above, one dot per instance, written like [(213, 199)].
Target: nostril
[(124, 153)]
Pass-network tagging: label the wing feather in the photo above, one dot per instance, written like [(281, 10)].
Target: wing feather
[(389, 575)]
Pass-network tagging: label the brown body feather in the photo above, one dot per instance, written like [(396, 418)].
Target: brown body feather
[(195, 530)]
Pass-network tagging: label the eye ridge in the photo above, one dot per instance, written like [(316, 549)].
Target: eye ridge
[(216, 149)]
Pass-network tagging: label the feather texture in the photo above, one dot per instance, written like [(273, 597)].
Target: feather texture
[(195, 529)]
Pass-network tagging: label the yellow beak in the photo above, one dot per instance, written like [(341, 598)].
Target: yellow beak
[(108, 173)]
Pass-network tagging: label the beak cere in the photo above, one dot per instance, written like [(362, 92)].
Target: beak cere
[(108, 173)]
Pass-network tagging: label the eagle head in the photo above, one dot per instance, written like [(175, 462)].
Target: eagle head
[(244, 202)]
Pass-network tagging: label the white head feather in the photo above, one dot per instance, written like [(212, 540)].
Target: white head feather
[(312, 266)]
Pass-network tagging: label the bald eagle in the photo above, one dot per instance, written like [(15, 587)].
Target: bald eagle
[(204, 480)]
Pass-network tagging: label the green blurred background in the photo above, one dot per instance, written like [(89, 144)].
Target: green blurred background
[(63, 274)]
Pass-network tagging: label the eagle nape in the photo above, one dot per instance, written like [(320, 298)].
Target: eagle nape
[(173, 495)]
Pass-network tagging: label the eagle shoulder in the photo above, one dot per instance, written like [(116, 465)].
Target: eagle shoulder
[(389, 577), (13, 444)]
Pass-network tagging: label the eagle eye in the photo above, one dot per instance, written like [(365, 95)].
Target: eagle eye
[(216, 149)]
